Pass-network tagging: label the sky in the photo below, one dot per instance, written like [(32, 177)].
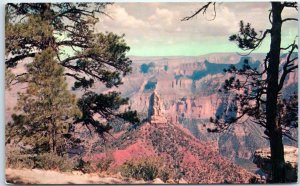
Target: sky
[(156, 29)]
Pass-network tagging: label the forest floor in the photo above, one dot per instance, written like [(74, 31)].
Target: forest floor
[(37, 176)]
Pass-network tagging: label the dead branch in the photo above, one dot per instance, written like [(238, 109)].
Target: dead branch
[(203, 9)]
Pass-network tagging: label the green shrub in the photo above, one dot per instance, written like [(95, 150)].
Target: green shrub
[(165, 174), (146, 169), (49, 161), (103, 164), (19, 161), (84, 166)]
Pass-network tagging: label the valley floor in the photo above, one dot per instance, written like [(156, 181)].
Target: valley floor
[(37, 176)]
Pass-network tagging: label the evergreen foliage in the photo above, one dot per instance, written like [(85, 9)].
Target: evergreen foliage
[(67, 28), (46, 108), (106, 107)]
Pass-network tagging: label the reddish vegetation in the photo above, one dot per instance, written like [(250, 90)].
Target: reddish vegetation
[(198, 162), (133, 151)]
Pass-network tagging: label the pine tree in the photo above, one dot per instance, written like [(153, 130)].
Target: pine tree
[(258, 91), (69, 29), (47, 107)]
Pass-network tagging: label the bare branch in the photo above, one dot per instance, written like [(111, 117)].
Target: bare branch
[(203, 9), (288, 136), (288, 63), (288, 46), (17, 79), (13, 60), (289, 19), (270, 16)]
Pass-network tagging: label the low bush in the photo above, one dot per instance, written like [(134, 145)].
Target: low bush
[(45, 161), (49, 161), (140, 169), (19, 161), (165, 174), (103, 164), (84, 166), (146, 169)]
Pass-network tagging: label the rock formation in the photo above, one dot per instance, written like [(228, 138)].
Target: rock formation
[(263, 161), (155, 113)]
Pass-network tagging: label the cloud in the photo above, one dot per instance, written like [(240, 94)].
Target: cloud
[(124, 19), (162, 17), (157, 25), (224, 23), (119, 19)]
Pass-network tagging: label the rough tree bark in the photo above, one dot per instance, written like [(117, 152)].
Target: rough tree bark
[(272, 125)]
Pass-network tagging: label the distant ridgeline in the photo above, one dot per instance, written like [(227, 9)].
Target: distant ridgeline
[(214, 68), (210, 69)]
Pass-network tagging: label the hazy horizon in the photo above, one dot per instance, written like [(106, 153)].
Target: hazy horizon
[(207, 54)]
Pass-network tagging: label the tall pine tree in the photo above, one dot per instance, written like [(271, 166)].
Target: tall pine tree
[(47, 107)]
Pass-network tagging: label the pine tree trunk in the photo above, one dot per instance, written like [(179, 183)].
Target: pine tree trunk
[(55, 140), (273, 126), (53, 132), (51, 141)]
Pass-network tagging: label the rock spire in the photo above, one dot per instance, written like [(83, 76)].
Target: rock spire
[(156, 111)]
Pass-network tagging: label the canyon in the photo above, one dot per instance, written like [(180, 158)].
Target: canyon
[(188, 87), (186, 93)]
